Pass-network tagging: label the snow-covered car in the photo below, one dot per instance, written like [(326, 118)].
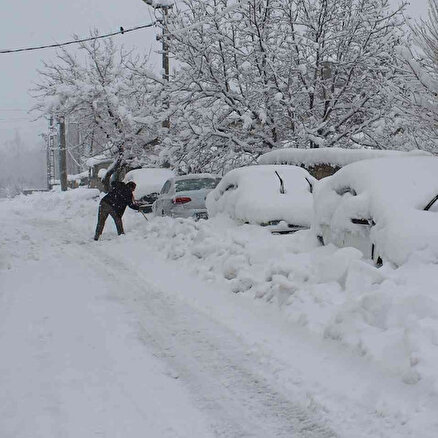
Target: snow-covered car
[(277, 196), (149, 182), (184, 196), (387, 208)]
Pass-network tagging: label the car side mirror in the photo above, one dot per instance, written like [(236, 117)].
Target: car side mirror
[(369, 222)]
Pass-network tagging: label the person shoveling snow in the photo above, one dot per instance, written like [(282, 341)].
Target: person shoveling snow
[(114, 204)]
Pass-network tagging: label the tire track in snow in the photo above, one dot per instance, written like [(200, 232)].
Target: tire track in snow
[(212, 362), (244, 402)]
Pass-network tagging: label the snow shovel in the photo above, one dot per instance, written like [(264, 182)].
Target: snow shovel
[(144, 215)]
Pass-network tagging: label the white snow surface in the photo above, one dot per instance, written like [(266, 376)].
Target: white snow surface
[(196, 175), (102, 172), (391, 191), (148, 180), (334, 156), (252, 194), (92, 161), (78, 176), (142, 335)]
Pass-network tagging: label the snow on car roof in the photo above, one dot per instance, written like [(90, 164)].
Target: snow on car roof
[(391, 191), (338, 157), (196, 175), (415, 177), (148, 180), (252, 194)]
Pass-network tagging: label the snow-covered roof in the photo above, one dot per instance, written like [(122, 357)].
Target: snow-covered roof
[(336, 157), (149, 180), (252, 194), (102, 173), (98, 159), (391, 191), (77, 176), (160, 3)]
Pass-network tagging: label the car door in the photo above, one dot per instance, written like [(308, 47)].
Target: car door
[(160, 202), (166, 199), (358, 234)]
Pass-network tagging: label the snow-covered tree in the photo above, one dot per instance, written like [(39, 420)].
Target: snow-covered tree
[(111, 95), (257, 72), (418, 92)]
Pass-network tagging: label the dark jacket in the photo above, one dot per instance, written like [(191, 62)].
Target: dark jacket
[(120, 197)]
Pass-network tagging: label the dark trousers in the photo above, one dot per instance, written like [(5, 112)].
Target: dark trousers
[(105, 210)]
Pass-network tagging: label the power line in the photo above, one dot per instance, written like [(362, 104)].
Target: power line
[(77, 41)]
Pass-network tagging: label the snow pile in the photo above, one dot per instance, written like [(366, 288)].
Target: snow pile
[(337, 157), (46, 210), (77, 205), (391, 192), (387, 315), (148, 180), (253, 194), (392, 317), (67, 202)]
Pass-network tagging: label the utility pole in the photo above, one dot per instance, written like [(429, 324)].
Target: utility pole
[(62, 154), (51, 154), (165, 5)]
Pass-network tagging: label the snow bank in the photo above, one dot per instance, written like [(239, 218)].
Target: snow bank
[(336, 157), (253, 194), (392, 192), (148, 180), (387, 315), (76, 204)]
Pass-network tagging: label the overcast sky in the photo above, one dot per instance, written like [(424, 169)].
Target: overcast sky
[(26, 23)]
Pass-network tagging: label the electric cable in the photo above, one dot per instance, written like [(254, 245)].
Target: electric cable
[(77, 40)]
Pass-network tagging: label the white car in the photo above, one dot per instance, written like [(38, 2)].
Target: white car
[(387, 207), (149, 182), (184, 196), (276, 196)]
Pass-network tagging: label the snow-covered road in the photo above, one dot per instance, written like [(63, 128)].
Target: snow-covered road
[(97, 349), (112, 339)]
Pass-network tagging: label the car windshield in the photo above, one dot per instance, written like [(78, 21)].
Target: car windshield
[(195, 184)]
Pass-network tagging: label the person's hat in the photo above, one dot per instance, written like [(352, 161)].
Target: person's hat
[(131, 185)]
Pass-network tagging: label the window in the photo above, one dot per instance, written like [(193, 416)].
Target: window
[(195, 184), (166, 187), (230, 187)]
